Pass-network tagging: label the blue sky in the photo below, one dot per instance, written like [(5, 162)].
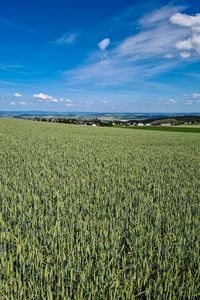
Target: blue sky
[(108, 56)]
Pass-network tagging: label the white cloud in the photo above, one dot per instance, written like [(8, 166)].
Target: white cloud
[(50, 99), (64, 100), (18, 95), (157, 41), (116, 71), (168, 56), (133, 57), (195, 98), (186, 20), (66, 39), (188, 102), (13, 103), (172, 101), (185, 54), (104, 44), (160, 15), (196, 95), (45, 98), (192, 23), (184, 45), (144, 54), (196, 42)]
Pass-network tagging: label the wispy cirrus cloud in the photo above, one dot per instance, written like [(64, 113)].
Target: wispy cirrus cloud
[(188, 102), (192, 98), (13, 25), (116, 71), (156, 37), (157, 41), (160, 15), (196, 95), (147, 52), (21, 103), (168, 56), (11, 68), (66, 39)]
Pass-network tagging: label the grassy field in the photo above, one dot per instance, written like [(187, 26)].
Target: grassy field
[(190, 126), (98, 213), (183, 129)]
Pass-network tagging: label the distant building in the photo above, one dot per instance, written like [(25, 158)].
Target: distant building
[(167, 124)]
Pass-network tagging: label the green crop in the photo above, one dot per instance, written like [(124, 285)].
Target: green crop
[(184, 128), (98, 213)]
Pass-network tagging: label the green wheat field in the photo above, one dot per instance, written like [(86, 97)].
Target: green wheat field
[(98, 213)]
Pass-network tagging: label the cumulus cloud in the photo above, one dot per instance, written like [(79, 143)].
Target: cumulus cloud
[(50, 99), (172, 101), (104, 44), (45, 98), (185, 54), (186, 20), (18, 95), (184, 45), (192, 23)]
